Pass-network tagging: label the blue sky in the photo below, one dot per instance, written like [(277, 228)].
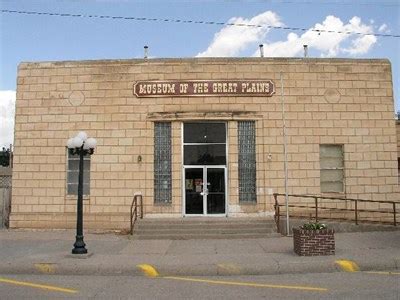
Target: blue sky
[(43, 38)]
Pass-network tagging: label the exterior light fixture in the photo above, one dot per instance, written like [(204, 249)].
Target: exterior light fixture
[(80, 145)]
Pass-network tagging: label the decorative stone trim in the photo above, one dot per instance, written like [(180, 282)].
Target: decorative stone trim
[(207, 115), (313, 242)]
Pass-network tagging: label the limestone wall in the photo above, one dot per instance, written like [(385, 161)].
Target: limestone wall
[(328, 101)]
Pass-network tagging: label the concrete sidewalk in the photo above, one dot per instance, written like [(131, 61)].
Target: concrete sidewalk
[(37, 252)]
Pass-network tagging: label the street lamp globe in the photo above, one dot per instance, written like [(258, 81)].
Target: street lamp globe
[(70, 143), (77, 142), (90, 143), (82, 135)]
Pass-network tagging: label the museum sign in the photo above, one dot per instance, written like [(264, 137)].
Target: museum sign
[(193, 88)]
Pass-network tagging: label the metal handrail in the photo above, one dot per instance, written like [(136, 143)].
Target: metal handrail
[(135, 211), (317, 207)]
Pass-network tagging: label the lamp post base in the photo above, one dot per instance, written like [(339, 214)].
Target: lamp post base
[(79, 246)]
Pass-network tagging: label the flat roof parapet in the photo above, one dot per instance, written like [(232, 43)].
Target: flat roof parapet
[(201, 60)]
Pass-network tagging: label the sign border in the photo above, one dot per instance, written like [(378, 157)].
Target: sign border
[(206, 95)]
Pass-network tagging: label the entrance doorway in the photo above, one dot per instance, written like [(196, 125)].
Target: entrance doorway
[(205, 190), (204, 169)]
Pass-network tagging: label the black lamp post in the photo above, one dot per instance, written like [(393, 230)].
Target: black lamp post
[(81, 145)]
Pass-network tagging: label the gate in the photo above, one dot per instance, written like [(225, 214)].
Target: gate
[(5, 197)]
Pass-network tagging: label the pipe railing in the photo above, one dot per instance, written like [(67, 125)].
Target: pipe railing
[(317, 208), (136, 210)]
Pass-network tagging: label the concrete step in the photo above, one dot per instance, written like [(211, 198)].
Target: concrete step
[(206, 219), (218, 221), (204, 228), (210, 226), (203, 236), (208, 231)]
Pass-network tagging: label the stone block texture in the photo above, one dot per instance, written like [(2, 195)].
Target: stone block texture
[(327, 101), (313, 242)]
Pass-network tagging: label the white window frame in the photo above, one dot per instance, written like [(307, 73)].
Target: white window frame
[(332, 168), (75, 157)]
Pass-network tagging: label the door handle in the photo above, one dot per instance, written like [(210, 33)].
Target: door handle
[(204, 192)]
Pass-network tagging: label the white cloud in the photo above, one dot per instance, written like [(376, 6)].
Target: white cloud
[(328, 44), (361, 45), (384, 28), (235, 40), (7, 113), (231, 40)]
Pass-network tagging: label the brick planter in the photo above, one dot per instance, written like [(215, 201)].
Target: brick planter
[(313, 242)]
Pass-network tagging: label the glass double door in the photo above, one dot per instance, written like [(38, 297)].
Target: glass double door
[(205, 190)]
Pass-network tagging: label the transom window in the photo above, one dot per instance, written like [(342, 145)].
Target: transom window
[(204, 143)]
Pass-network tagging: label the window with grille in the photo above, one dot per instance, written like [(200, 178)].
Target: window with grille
[(398, 169), (247, 161), (332, 168), (73, 174), (162, 163)]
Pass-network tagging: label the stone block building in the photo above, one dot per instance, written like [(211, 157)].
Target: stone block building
[(200, 136)]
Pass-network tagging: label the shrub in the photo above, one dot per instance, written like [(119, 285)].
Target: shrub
[(313, 226)]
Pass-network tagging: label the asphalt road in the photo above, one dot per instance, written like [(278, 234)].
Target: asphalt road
[(338, 285)]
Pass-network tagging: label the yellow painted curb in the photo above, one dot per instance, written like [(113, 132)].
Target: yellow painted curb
[(347, 265), (228, 268), (45, 268), (148, 270)]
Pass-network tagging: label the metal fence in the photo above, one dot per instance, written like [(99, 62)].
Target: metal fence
[(317, 208)]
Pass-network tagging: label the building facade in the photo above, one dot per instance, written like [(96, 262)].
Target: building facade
[(200, 137)]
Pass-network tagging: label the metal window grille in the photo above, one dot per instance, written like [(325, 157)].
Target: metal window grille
[(247, 161), (398, 173), (162, 163), (332, 168), (5, 199), (73, 174)]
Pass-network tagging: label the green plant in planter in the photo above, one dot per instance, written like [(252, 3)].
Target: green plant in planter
[(313, 226), (313, 238)]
